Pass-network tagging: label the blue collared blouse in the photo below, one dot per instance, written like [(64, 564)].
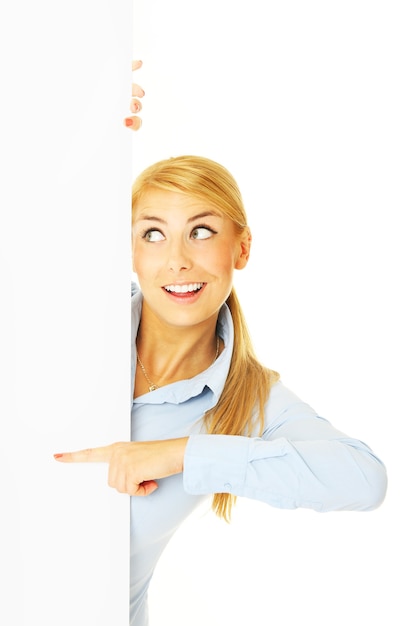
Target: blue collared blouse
[(300, 460)]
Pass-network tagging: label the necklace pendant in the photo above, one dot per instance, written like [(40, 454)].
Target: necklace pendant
[(153, 387)]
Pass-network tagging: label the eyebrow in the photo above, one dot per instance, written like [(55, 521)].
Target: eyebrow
[(199, 216)]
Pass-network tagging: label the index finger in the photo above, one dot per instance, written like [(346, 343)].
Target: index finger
[(89, 455), (136, 65)]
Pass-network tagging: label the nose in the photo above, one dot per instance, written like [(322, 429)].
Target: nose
[(179, 259)]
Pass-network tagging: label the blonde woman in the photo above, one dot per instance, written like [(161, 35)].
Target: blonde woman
[(209, 420)]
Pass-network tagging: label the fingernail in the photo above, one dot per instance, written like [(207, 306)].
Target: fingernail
[(58, 456), (128, 122)]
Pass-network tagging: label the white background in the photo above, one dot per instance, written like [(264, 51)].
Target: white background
[(311, 105)]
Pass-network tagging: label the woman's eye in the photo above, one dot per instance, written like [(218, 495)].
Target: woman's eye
[(153, 235), (202, 232)]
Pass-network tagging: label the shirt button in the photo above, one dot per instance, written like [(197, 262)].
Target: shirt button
[(227, 487)]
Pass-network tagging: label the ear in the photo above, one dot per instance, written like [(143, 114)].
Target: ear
[(245, 241)]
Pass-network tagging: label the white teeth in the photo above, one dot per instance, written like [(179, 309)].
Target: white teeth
[(184, 288)]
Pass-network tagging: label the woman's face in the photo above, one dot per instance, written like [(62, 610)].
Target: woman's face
[(184, 254)]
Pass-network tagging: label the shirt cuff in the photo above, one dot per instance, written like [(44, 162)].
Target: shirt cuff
[(215, 464), (220, 463)]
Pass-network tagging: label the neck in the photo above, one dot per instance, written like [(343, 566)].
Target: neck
[(168, 354)]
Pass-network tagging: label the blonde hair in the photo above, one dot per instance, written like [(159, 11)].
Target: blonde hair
[(240, 409)]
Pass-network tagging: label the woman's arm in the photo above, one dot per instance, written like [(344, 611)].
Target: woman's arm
[(301, 460)]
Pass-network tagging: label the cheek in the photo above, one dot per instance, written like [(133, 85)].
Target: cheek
[(135, 261), (144, 263), (140, 264), (224, 263)]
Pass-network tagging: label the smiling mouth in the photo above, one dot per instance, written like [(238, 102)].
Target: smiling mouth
[(184, 289)]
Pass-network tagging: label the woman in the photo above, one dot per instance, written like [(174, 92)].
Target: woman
[(207, 417)]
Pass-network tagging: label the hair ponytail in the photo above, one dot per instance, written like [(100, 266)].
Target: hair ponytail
[(240, 409)]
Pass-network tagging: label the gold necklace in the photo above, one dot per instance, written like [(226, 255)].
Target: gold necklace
[(152, 385)]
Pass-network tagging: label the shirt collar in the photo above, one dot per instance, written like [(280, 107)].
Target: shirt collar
[(214, 377)]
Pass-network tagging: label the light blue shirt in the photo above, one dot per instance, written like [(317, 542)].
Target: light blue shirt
[(300, 460)]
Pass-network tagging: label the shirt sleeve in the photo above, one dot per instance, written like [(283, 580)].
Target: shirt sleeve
[(300, 460)]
